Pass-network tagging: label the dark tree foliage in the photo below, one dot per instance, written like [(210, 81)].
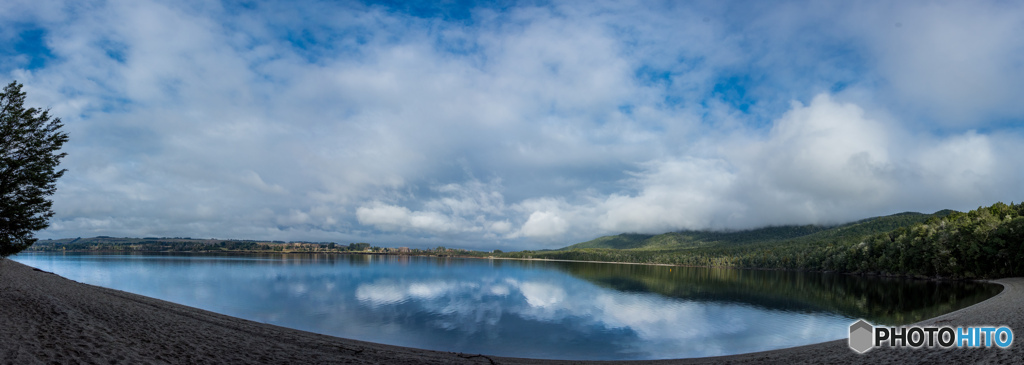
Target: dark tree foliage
[(29, 145)]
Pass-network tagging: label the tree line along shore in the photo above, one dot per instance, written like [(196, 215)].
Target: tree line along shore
[(213, 245), (987, 242)]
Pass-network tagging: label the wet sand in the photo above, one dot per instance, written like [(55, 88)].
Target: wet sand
[(45, 318)]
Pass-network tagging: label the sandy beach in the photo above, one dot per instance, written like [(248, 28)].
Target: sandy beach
[(45, 318)]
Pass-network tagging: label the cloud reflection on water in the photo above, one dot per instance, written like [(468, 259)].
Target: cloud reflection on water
[(472, 306), (658, 327)]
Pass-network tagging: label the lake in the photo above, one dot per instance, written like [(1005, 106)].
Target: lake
[(532, 309)]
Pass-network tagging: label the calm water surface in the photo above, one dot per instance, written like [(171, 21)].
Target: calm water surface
[(528, 309)]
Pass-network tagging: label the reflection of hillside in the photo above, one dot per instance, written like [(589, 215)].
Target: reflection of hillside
[(879, 300)]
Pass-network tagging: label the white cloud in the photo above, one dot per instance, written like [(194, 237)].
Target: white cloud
[(826, 162), (460, 208), (824, 151), (529, 126), (384, 215), (958, 63), (672, 194), (969, 167), (544, 224)]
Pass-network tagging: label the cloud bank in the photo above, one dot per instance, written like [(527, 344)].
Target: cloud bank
[(522, 126)]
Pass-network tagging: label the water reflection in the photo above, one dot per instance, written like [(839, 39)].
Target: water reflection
[(891, 301), (522, 308)]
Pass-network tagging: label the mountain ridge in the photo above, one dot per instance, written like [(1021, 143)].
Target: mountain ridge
[(685, 239)]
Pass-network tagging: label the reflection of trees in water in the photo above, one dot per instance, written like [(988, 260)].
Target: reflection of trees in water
[(890, 301)]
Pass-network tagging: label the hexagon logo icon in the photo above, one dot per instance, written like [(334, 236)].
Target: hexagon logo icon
[(861, 333)]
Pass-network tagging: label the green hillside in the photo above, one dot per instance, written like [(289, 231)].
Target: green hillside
[(984, 243), (692, 239), (619, 241)]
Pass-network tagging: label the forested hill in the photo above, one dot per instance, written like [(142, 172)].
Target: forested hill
[(690, 239), (987, 242)]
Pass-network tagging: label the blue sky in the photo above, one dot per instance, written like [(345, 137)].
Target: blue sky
[(517, 125)]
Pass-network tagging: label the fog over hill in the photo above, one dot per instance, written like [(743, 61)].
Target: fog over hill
[(692, 239)]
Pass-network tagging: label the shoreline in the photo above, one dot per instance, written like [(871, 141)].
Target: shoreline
[(870, 274), (46, 318)]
